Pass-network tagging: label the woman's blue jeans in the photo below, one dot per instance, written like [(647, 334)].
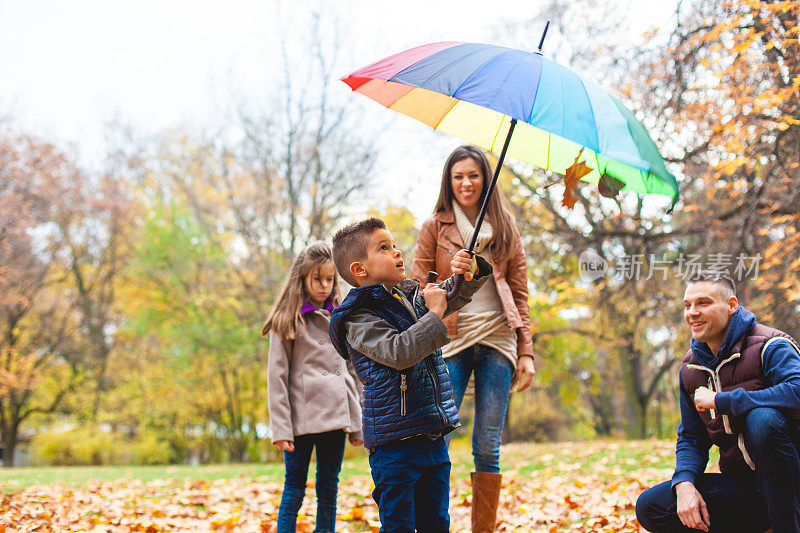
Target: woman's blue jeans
[(330, 452), (493, 375)]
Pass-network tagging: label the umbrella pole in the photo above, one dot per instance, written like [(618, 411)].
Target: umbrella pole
[(492, 184), (459, 279)]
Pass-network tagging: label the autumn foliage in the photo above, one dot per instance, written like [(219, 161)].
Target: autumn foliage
[(131, 296), (589, 487), (719, 94)]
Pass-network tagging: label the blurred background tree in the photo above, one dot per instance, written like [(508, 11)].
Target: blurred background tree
[(131, 295)]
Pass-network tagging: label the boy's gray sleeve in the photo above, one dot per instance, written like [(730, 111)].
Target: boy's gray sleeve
[(378, 340), (469, 287)]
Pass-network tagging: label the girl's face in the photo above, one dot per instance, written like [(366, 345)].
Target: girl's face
[(466, 179), (318, 283)]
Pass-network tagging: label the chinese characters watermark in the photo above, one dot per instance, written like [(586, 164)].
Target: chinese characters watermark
[(592, 266)]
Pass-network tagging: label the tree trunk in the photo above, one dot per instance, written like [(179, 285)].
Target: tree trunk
[(237, 449), (602, 406), (9, 447), (643, 418)]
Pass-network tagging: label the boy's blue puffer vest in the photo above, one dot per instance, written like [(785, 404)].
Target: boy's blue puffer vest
[(389, 413)]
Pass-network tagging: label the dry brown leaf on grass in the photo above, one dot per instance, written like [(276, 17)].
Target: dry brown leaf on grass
[(587, 486)]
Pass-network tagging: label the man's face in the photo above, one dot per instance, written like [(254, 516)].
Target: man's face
[(384, 262), (708, 312)]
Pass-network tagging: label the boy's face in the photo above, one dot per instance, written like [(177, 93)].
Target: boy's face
[(384, 262)]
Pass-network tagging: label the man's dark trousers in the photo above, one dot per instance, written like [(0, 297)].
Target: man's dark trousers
[(412, 485), (742, 501)]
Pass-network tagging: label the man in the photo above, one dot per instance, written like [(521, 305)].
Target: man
[(740, 390)]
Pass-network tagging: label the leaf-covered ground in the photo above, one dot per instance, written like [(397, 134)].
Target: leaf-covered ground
[(588, 486)]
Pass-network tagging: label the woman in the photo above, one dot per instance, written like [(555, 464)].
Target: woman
[(491, 337)]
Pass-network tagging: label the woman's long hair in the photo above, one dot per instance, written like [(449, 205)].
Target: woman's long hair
[(498, 211), (285, 314)]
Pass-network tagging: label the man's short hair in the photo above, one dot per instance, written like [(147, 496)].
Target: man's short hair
[(350, 245), (726, 284)]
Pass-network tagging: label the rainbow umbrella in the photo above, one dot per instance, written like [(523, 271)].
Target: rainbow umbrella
[(484, 93)]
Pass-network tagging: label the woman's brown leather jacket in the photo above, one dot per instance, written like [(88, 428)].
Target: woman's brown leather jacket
[(439, 239)]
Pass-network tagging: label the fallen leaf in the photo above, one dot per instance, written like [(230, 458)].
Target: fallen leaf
[(609, 186), (572, 175), (585, 486)]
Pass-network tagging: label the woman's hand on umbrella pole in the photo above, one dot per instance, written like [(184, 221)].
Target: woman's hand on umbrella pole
[(461, 263), (525, 372)]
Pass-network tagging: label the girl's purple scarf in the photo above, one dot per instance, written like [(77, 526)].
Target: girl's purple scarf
[(307, 307)]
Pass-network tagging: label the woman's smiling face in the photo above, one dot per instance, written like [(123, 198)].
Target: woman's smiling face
[(466, 179)]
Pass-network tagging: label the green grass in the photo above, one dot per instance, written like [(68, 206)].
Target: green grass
[(547, 485), (82, 476), (13, 479), (626, 456)]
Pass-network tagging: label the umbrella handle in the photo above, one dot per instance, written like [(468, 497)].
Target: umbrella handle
[(432, 275), (458, 281)]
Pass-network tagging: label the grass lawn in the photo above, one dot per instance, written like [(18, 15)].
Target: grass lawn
[(567, 486), (12, 479), (82, 476), (523, 458)]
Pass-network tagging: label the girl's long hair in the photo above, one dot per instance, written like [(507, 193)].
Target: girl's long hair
[(285, 314), (498, 211)]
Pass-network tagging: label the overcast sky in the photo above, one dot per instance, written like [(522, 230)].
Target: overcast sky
[(67, 67)]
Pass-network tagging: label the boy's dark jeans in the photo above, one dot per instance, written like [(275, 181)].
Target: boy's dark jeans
[(330, 452), (747, 502), (412, 485)]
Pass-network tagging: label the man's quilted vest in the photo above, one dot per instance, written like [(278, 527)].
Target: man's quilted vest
[(742, 369), (397, 403)]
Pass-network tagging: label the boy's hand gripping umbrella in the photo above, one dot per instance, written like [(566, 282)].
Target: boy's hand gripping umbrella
[(559, 120)]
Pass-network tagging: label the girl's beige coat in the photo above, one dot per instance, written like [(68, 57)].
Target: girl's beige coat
[(310, 388)]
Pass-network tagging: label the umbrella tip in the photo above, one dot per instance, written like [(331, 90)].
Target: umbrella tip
[(541, 41)]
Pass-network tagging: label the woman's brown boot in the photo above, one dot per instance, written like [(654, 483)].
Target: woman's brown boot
[(485, 495)]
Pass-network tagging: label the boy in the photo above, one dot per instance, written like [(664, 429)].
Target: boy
[(393, 337)]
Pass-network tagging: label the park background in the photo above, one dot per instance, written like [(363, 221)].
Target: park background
[(161, 163)]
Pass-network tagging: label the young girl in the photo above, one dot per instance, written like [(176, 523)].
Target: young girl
[(312, 392)]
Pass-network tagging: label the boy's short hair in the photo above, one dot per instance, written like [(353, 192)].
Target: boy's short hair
[(726, 284), (350, 245)]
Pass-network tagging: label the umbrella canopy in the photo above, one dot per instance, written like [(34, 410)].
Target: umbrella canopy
[(473, 91)]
